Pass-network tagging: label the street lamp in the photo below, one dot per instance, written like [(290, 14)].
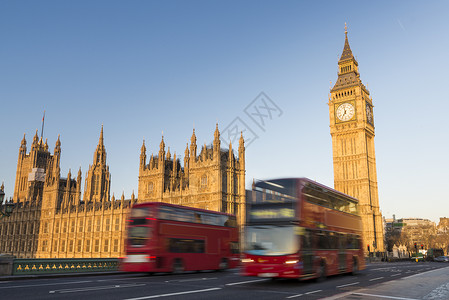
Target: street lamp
[(8, 206)]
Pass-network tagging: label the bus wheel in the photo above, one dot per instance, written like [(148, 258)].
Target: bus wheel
[(223, 264), (355, 267), (178, 267), (321, 272)]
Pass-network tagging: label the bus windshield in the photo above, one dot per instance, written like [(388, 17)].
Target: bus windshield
[(271, 240)]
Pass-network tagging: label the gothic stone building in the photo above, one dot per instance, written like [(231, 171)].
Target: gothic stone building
[(52, 221), (213, 180), (352, 131)]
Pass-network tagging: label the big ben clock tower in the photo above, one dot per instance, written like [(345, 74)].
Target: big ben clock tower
[(352, 131)]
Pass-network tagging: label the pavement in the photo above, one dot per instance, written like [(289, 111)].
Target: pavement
[(431, 285)]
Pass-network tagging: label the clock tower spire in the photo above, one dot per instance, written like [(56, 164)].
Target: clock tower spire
[(352, 131)]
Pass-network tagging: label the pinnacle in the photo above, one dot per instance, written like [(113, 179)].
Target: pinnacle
[(101, 140), (347, 53)]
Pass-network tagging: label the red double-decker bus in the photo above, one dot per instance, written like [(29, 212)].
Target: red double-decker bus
[(297, 228), (163, 237)]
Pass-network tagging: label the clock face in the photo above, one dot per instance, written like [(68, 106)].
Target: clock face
[(345, 112)]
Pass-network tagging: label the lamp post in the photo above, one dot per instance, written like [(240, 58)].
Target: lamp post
[(8, 206)]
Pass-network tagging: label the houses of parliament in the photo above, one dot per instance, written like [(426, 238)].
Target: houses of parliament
[(51, 220)]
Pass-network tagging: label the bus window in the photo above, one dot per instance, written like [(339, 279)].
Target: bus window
[(165, 212), (352, 242), (228, 221), (197, 217), (210, 219), (341, 241), (307, 240), (183, 215), (186, 246), (138, 213), (333, 240), (323, 240), (139, 235)]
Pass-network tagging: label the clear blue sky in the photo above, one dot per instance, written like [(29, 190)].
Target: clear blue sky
[(143, 67)]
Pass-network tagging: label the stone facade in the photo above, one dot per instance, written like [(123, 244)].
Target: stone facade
[(51, 220), (352, 131), (213, 180)]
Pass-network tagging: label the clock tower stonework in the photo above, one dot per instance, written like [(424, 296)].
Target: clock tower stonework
[(352, 131)]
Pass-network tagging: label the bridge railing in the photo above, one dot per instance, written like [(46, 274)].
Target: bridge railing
[(62, 265)]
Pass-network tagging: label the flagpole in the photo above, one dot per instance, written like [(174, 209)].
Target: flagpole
[(42, 131)]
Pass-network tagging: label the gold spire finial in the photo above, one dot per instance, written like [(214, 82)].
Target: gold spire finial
[(346, 29)]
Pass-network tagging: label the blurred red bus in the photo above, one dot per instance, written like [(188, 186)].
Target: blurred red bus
[(297, 228), (163, 237)]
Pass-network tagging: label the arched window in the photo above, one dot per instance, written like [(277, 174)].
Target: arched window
[(204, 181)]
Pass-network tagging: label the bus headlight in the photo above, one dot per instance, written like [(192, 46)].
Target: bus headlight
[(247, 260), (290, 262)]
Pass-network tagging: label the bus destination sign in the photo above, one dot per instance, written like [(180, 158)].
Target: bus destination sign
[(271, 213)]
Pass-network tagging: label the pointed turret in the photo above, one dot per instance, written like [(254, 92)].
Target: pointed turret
[(241, 141), (216, 143), (162, 150), (58, 146), (186, 161), (101, 140), (151, 161), (193, 145), (143, 155), (242, 152), (100, 152), (98, 179), (231, 154), (204, 152), (35, 141), (186, 152), (216, 133), (168, 154), (175, 165), (69, 181), (23, 146), (78, 178), (78, 187), (56, 172)]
